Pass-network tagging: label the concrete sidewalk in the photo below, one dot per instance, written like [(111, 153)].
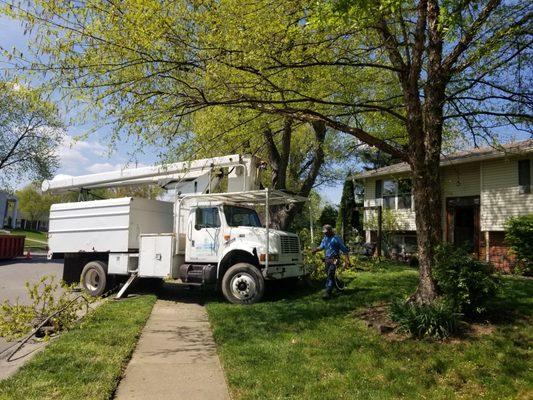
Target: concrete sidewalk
[(175, 358)]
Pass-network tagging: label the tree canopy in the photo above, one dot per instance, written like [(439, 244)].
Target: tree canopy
[(395, 75), (30, 132)]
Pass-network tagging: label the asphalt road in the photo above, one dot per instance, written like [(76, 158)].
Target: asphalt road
[(13, 276), (15, 273)]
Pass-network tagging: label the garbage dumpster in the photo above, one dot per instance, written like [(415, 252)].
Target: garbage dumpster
[(11, 246)]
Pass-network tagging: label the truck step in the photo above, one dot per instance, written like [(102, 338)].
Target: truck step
[(181, 283)]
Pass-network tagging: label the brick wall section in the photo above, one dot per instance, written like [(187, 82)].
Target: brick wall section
[(499, 252)]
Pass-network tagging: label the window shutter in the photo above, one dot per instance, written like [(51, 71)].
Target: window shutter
[(524, 176), (379, 187)]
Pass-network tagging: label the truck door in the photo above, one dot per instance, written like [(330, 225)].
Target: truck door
[(203, 231)]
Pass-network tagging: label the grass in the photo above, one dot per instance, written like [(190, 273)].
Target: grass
[(86, 362), (34, 239), (297, 346)]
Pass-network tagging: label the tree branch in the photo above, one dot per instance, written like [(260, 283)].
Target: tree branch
[(469, 35)]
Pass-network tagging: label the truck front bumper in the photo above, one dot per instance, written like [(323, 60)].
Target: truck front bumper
[(286, 271)]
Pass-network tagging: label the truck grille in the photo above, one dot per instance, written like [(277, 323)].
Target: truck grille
[(289, 244)]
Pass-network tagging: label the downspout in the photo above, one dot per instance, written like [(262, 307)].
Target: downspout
[(267, 223), (486, 232)]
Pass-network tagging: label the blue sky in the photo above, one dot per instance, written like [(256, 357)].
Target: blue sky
[(90, 155)]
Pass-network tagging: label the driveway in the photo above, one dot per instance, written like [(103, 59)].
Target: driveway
[(15, 273), (13, 276)]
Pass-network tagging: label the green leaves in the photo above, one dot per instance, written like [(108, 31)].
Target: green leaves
[(30, 131), (47, 297), (519, 237)]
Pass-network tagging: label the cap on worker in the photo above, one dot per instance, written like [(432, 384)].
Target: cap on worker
[(327, 228)]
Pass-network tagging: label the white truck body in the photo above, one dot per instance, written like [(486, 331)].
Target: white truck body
[(112, 225)]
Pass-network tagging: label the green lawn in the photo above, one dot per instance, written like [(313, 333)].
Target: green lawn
[(86, 362), (34, 239), (297, 346)]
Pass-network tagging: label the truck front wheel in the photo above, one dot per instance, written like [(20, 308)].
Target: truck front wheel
[(243, 284), (94, 279)]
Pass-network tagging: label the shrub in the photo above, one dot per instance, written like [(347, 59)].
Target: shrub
[(519, 237), (465, 282), (437, 320), (47, 297)]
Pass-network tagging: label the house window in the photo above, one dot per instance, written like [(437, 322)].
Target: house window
[(390, 188), (404, 193), (207, 218), (379, 186), (524, 176)]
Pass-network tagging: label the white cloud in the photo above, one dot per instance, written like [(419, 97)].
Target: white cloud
[(81, 157), (75, 155), (103, 167)]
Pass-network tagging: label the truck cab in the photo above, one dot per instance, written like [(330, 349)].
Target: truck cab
[(227, 234)]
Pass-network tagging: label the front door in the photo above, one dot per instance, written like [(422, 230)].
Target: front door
[(203, 231), (462, 222)]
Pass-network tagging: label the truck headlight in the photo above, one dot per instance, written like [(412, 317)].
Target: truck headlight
[(271, 257)]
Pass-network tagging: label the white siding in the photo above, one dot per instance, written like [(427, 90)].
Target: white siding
[(500, 198)]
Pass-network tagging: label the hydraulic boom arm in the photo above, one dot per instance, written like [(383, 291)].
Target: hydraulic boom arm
[(242, 172)]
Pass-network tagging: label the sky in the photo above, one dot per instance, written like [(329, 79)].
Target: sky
[(92, 153)]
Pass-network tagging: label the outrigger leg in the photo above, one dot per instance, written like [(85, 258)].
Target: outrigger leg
[(133, 277)]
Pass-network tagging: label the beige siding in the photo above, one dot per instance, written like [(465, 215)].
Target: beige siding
[(496, 182), (404, 219), (500, 198), (460, 180)]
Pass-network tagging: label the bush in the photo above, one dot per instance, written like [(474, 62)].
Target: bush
[(464, 282), (519, 238), (47, 297), (316, 262), (437, 320)]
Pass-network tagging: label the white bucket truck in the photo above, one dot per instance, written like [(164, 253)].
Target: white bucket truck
[(200, 238)]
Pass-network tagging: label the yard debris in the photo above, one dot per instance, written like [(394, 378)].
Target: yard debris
[(377, 317)]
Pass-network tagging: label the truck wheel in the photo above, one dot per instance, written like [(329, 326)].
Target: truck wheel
[(94, 279), (243, 284)]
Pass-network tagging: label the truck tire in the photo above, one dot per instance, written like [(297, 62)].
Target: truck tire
[(243, 284), (94, 279)]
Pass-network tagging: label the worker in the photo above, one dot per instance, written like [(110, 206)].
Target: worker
[(333, 246)]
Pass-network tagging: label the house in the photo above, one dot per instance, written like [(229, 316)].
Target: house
[(25, 222), (8, 210), (481, 189)]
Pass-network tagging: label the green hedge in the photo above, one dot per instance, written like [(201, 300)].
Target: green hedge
[(519, 238)]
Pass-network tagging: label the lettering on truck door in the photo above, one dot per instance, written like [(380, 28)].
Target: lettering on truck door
[(203, 235)]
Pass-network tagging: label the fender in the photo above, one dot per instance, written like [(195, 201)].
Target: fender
[(246, 248)]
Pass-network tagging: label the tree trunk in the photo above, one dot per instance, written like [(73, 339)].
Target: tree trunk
[(283, 216), (425, 148), (427, 202)]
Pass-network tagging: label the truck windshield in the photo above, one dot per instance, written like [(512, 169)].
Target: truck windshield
[(240, 216)]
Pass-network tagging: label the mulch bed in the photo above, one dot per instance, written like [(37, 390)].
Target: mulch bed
[(377, 317)]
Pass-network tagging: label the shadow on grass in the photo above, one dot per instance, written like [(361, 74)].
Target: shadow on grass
[(513, 303), (302, 309)]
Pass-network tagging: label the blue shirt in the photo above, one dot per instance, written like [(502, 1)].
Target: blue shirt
[(333, 246)]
